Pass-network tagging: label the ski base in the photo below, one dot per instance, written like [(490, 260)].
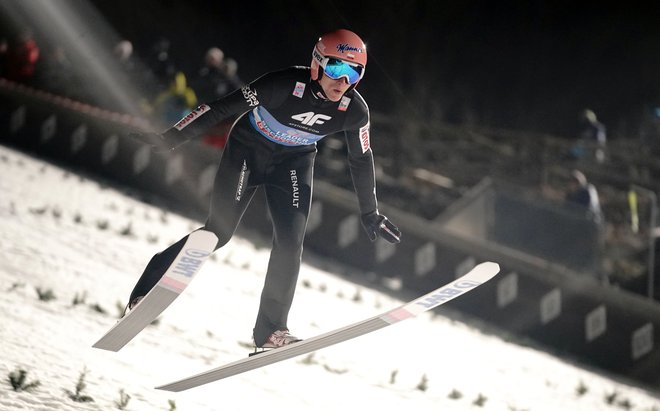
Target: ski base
[(477, 276), (199, 245)]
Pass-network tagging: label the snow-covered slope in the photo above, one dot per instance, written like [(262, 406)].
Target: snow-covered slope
[(86, 244)]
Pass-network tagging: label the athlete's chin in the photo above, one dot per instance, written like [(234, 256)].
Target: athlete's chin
[(335, 95)]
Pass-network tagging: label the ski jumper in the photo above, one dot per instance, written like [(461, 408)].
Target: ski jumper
[(273, 145)]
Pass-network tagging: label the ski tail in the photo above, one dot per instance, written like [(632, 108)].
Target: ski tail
[(199, 245)]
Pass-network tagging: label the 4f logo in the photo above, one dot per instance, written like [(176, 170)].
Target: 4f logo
[(310, 118)]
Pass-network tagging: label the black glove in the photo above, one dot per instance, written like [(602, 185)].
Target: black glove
[(377, 225)]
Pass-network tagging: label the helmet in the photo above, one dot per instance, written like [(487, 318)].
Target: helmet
[(340, 44)]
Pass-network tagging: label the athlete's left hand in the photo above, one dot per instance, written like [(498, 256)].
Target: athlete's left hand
[(377, 225)]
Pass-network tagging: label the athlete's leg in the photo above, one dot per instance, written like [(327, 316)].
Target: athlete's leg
[(154, 271), (235, 184), (288, 194), (227, 207)]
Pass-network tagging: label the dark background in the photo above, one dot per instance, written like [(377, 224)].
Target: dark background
[(526, 65)]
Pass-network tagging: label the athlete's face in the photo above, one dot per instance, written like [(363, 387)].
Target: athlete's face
[(334, 89)]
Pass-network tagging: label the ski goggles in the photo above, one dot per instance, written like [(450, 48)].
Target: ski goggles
[(336, 69)]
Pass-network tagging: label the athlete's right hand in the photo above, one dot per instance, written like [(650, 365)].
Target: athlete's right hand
[(150, 139), (157, 141)]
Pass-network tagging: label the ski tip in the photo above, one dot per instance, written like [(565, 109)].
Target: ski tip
[(491, 266), (486, 270)]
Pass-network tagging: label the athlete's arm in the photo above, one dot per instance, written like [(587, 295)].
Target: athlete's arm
[(208, 115), (361, 164)]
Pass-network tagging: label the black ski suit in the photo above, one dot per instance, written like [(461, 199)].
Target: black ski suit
[(273, 144)]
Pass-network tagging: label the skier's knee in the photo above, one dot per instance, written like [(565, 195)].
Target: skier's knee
[(223, 235)]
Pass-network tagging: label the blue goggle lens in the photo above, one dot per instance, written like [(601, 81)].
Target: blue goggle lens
[(336, 69)]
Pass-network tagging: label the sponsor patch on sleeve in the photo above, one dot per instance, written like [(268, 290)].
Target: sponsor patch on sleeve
[(250, 95), (192, 116), (364, 137), (343, 104), (299, 90)]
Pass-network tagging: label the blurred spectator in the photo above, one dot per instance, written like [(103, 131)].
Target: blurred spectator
[(162, 66), (217, 136), (231, 72), (22, 56), (217, 77), (178, 100), (136, 77), (584, 194), (592, 137), (124, 53)]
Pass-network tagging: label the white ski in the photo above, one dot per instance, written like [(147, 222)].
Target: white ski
[(477, 276), (199, 245)]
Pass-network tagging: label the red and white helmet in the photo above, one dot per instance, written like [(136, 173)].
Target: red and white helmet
[(340, 44)]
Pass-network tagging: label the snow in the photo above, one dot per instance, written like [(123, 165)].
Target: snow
[(87, 242)]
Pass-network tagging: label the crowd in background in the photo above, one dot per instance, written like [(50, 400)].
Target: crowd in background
[(19, 56), (167, 91), (171, 92)]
